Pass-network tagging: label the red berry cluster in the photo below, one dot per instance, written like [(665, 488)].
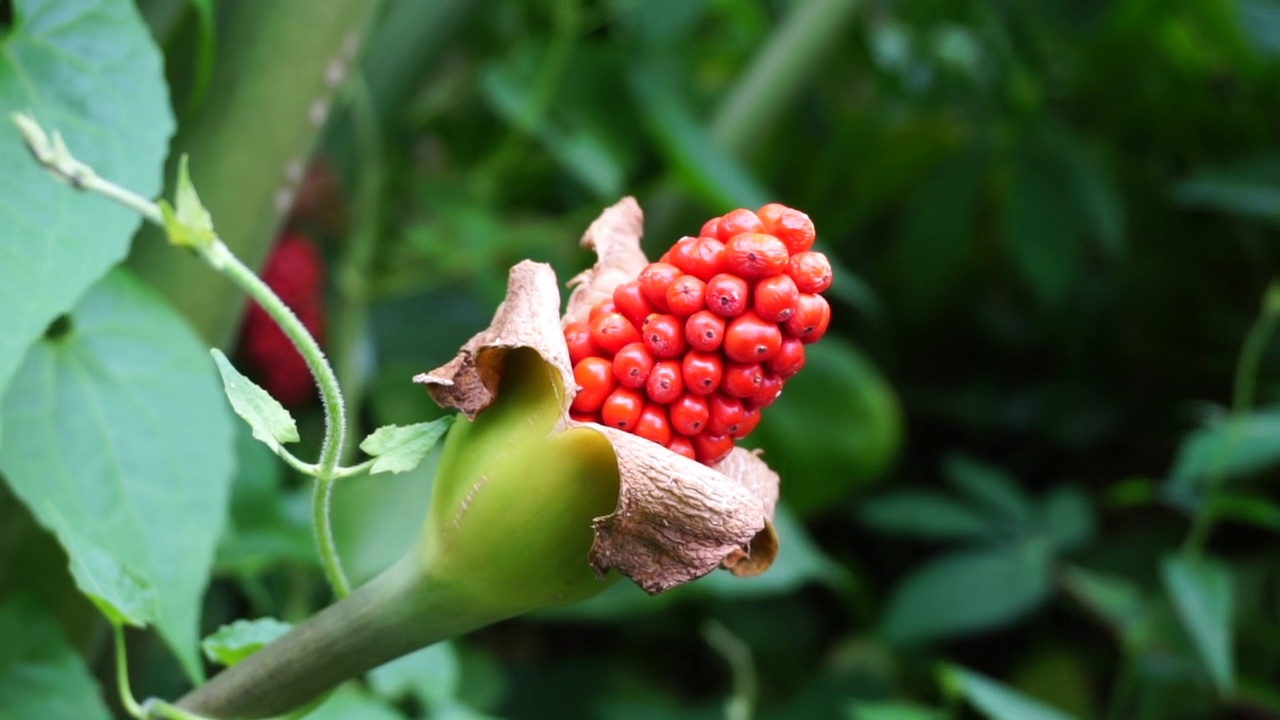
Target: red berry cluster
[(295, 271), (688, 353)]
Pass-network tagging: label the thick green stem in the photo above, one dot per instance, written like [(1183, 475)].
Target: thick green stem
[(399, 611)]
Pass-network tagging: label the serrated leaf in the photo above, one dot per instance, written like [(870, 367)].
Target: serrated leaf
[(270, 422), (400, 448), (995, 700), (119, 592), (89, 70), (187, 222), (119, 425), (1201, 592), (232, 643), (926, 515), (969, 591), (41, 675)]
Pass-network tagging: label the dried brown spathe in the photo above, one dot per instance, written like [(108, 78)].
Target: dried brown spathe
[(676, 519)]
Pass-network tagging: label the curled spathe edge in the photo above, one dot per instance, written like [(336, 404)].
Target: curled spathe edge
[(676, 519)]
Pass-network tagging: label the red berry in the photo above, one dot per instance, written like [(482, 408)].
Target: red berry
[(774, 298), (790, 358), (654, 281), (604, 307), (813, 314), (703, 258), (665, 382), (611, 331), (727, 295), (792, 227), (686, 296), (811, 271), (653, 424), (689, 414), (701, 372), (740, 380), (725, 414), (594, 377), (583, 416), (752, 339), (770, 388), (663, 335), (755, 255), (710, 228), (679, 254), (632, 365), (630, 301), (681, 445), (577, 335), (704, 330), (711, 449), (738, 221), (621, 409), (750, 419)]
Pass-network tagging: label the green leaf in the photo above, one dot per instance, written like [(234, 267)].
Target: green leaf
[(1067, 517), (271, 423), (431, 675), (969, 591), (232, 643), (1249, 188), (41, 675), (88, 69), (189, 225), (800, 562), (893, 711), (118, 425), (1115, 601), (927, 515), (1233, 447), (118, 591), (1041, 230), (990, 488), (400, 448), (996, 700), (1201, 592)]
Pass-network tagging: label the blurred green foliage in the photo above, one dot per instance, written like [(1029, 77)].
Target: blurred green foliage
[(1016, 481)]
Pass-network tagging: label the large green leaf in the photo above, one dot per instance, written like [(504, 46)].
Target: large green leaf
[(119, 427), (1201, 592), (968, 591), (41, 676), (89, 69)]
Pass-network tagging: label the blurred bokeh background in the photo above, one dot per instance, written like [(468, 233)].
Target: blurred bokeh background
[(1054, 224)]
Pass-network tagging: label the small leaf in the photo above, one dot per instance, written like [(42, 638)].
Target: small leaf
[(189, 225), (232, 643), (989, 487), (400, 448), (1115, 601), (996, 700), (271, 423), (1248, 188), (431, 675), (969, 591), (119, 592), (927, 515), (41, 675), (1233, 447), (1067, 517), (1201, 592)]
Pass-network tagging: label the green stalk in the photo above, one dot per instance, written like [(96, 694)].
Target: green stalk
[(278, 65), (399, 611)]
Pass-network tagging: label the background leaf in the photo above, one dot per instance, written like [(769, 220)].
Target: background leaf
[(115, 589), (119, 426), (1201, 591), (89, 69), (996, 700), (431, 675), (232, 643), (927, 515), (1233, 447), (41, 676), (968, 591)]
